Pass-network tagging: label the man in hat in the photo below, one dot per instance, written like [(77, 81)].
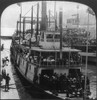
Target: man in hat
[(7, 82)]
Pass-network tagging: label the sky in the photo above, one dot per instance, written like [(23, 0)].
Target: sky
[(11, 13)]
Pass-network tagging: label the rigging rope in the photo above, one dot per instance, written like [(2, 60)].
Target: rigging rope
[(30, 8)]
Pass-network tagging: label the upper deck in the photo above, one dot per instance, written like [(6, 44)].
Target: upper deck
[(50, 39), (49, 57)]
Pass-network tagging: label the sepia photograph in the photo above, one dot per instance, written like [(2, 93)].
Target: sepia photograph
[(48, 50)]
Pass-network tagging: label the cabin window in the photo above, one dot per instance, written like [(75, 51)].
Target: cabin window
[(57, 36), (49, 36), (29, 67), (42, 36), (48, 72)]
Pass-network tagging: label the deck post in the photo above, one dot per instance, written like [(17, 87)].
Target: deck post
[(20, 30), (86, 61), (31, 25), (23, 27), (37, 20), (49, 18), (55, 14), (17, 28)]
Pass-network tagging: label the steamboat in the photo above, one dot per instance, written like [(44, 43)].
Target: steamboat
[(79, 38), (39, 56)]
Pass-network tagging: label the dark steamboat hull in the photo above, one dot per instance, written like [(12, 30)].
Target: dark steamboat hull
[(91, 57), (39, 93)]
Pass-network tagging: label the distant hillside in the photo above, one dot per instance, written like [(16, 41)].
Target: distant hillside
[(5, 37)]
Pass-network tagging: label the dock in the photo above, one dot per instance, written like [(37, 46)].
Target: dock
[(12, 93)]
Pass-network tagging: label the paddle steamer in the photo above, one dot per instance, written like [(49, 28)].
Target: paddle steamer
[(38, 54)]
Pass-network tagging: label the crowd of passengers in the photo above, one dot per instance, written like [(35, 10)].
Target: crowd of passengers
[(50, 59), (62, 83), (79, 37), (64, 61)]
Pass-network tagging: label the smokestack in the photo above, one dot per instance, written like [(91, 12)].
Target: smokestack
[(60, 26), (44, 16)]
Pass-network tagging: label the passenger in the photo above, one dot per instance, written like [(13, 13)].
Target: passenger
[(70, 85), (41, 79), (3, 61), (27, 55), (71, 61), (30, 57), (2, 47), (74, 86), (7, 58), (78, 85), (7, 79), (88, 81), (3, 72), (35, 59), (67, 62), (0, 79), (32, 61), (67, 88), (54, 82), (83, 82)]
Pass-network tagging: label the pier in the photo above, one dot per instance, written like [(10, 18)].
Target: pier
[(18, 88), (12, 93)]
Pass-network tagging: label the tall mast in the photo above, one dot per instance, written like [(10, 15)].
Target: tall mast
[(86, 60), (20, 5), (31, 24), (77, 17), (17, 28), (23, 27), (37, 20), (55, 14), (49, 18), (32, 21), (20, 29)]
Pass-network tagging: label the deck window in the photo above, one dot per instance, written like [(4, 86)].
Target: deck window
[(49, 36), (57, 36)]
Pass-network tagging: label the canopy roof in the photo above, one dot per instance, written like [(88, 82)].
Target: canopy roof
[(65, 49)]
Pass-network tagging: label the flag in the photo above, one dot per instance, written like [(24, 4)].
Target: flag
[(90, 11), (19, 4)]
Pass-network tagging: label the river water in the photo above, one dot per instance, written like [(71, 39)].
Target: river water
[(91, 71)]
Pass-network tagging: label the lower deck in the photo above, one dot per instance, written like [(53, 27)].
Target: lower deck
[(54, 80)]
